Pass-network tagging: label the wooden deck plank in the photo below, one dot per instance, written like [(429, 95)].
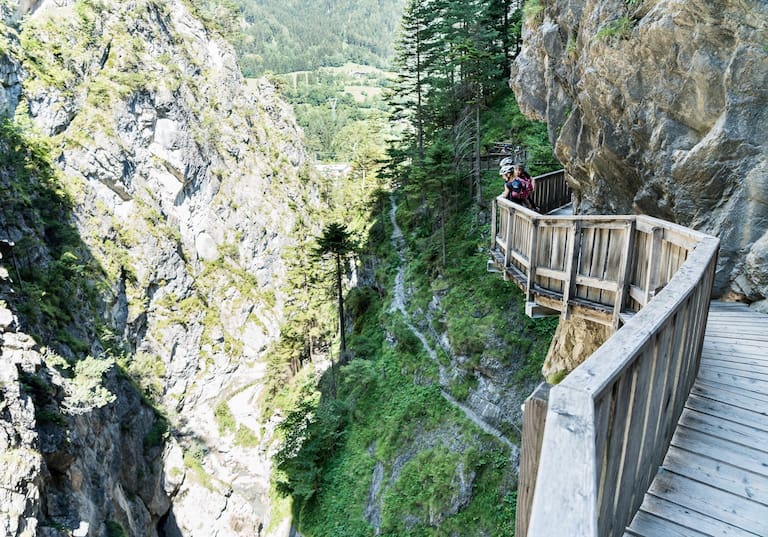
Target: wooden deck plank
[(746, 458), (724, 363), (719, 304), (728, 377), (717, 474), (759, 398), (733, 406), (754, 351), (650, 525), (721, 356), (718, 504), (759, 374), (728, 306), (720, 319), (726, 429), (751, 329), (692, 521), (739, 344), (743, 312), (742, 315), (733, 328), (745, 333), (739, 337)]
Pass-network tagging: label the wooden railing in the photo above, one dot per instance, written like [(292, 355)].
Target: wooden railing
[(599, 267), (552, 191), (609, 423)]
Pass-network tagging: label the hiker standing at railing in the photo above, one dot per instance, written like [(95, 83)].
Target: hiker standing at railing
[(515, 189), (518, 185), (529, 184)]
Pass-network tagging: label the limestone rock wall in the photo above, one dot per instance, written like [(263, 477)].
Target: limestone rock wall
[(187, 188), (661, 108)]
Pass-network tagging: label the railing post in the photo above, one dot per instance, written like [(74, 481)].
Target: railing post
[(652, 277), (534, 419), (494, 232), (508, 243), (532, 259), (571, 266), (623, 274)]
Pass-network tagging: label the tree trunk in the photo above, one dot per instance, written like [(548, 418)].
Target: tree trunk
[(478, 171), (342, 332), (419, 111), (442, 229)]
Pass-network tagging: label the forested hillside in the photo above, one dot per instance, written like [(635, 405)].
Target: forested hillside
[(342, 111), (290, 35)]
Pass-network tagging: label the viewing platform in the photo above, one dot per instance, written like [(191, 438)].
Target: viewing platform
[(663, 430)]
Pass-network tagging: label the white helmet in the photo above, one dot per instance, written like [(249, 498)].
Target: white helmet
[(506, 161), (506, 169)]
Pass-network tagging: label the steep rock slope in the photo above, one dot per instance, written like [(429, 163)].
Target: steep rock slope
[(184, 189), (660, 108)]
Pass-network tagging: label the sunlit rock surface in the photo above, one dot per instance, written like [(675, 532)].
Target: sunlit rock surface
[(660, 108)]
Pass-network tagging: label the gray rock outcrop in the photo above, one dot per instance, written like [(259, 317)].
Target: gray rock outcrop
[(20, 458), (660, 108)]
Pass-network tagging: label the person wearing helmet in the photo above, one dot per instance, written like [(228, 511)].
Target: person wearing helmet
[(513, 187)]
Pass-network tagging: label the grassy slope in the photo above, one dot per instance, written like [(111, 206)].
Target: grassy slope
[(395, 416)]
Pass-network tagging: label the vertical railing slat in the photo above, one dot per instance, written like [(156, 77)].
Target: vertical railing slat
[(534, 420)]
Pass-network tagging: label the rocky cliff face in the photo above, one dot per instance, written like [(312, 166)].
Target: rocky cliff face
[(661, 108), (183, 188)]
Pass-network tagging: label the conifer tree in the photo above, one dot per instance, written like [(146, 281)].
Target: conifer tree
[(453, 59), (337, 241), (408, 98)]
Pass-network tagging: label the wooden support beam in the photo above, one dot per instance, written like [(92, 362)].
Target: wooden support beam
[(537, 311)]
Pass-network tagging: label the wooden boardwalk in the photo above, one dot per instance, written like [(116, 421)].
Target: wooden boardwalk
[(714, 479)]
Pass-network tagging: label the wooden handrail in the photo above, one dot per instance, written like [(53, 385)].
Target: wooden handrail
[(609, 423)]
